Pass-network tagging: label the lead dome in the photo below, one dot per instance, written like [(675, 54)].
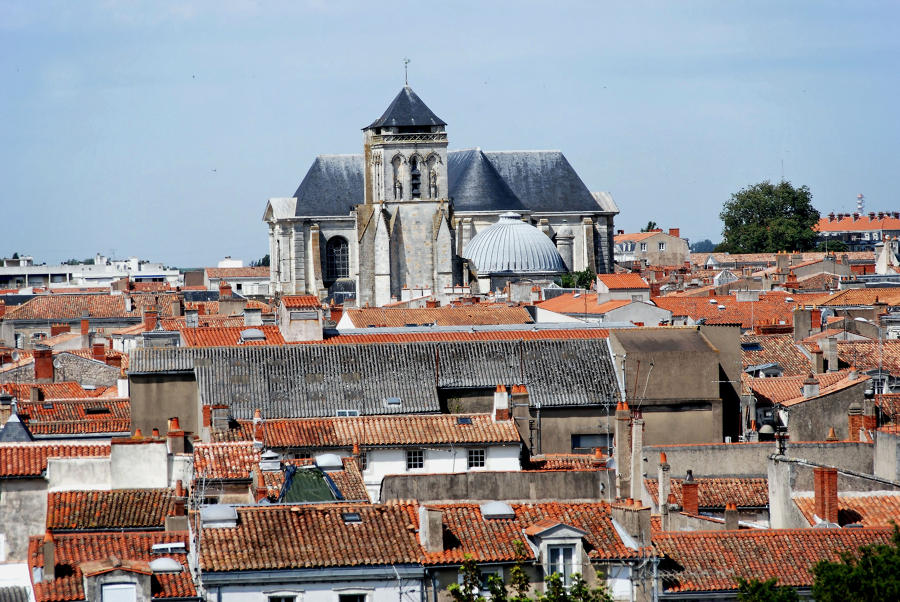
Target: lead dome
[(513, 246)]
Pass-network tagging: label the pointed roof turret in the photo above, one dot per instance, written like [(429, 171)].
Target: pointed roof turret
[(407, 109)]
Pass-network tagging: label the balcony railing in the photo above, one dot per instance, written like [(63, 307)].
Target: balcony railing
[(422, 137)]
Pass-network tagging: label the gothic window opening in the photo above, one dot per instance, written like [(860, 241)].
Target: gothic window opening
[(337, 258), (415, 179)]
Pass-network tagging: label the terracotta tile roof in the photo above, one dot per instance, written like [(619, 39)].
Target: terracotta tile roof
[(564, 462), (623, 281), (30, 459), (60, 339), (223, 336), (772, 308), (783, 389), (73, 550), (88, 355), (371, 431), (703, 561), (817, 282), (228, 273), (861, 223), (740, 258), (77, 416), (634, 236), (860, 296), (469, 315), (71, 307), (225, 460), (205, 307), (203, 321), (481, 335), (254, 304), (301, 301), (889, 403), (584, 303), (493, 540), (828, 332), (780, 349), (61, 390), (109, 510), (715, 492), (313, 536), (868, 355), (871, 509)]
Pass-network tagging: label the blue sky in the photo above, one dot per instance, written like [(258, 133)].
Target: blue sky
[(160, 129)]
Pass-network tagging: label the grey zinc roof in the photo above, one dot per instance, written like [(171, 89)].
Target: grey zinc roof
[(657, 340), (14, 593), (332, 186), (511, 245), (407, 109), (543, 180), (317, 380)]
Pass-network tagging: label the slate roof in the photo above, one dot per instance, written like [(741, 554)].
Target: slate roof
[(405, 110), (313, 536), (715, 492), (705, 561), (493, 540), (74, 550), (300, 381), (672, 339), (870, 509), (370, 431), (109, 510), (30, 459), (539, 181)]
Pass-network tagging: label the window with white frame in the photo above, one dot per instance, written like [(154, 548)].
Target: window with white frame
[(363, 460), (118, 592), (476, 458), (415, 458), (282, 598), (484, 574), (561, 560), (643, 246), (662, 246), (351, 597)]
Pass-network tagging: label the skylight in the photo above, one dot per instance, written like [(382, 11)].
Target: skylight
[(351, 517), (464, 420)]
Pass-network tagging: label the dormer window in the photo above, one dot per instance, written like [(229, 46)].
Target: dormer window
[(561, 560)]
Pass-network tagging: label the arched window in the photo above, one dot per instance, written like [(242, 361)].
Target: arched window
[(337, 258), (415, 178)]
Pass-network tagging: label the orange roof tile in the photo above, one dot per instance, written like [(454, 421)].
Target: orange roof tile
[(870, 509), (481, 335), (581, 303), (772, 308), (203, 321), (225, 460), (117, 509), (30, 459), (712, 560), (780, 349), (715, 492), (223, 336), (228, 273), (469, 315), (66, 389), (625, 281), (860, 223), (77, 416), (860, 296), (370, 431), (74, 550), (869, 355), (301, 301)]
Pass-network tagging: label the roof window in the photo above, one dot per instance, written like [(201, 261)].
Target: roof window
[(166, 565), (172, 547), (497, 510), (252, 334), (344, 413), (464, 420), (97, 410), (751, 346), (392, 401), (351, 517), (47, 406)]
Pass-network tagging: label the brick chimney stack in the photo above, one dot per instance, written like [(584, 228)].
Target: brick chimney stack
[(825, 489), (98, 352), (224, 290), (60, 328), (43, 365), (690, 500), (150, 318), (664, 483), (175, 436), (501, 403)]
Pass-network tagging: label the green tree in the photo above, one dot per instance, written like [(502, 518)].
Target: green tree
[(765, 591), (835, 246), (262, 262), (703, 246), (873, 574), (583, 279), (767, 218), (651, 225)]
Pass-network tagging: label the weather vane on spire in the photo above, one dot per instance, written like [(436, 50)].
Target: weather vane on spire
[(405, 71)]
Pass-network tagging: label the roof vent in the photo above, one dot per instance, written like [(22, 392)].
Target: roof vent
[(497, 510), (351, 517), (218, 516), (252, 334), (47, 406), (329, 462), (172, 547), (270, 461), (166, 565)]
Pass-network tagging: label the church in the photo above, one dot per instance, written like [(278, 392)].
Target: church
[(402, 215)]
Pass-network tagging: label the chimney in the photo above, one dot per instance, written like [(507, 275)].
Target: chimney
[(177, 307), (43, 365), (175, 436), (35, 394), (257, 428), (431, 529), (224, 291), (825, 488), (207, 416), (98, 352), (150, 318), (48, 550), (815, 319), (634, 517), (637, 457), (854, 420), (731, 517), (191, 318), (85, 325), (690, 501), (810, 387), (177, 519), (122, 388), (252, 316), (829, 349), (622, 449), (676, 232), (664, 483), (219, 417), (56, 329), (501, 404), (155, 433), (2, 308)]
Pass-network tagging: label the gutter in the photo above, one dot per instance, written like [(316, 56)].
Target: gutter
[(314, 575)]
